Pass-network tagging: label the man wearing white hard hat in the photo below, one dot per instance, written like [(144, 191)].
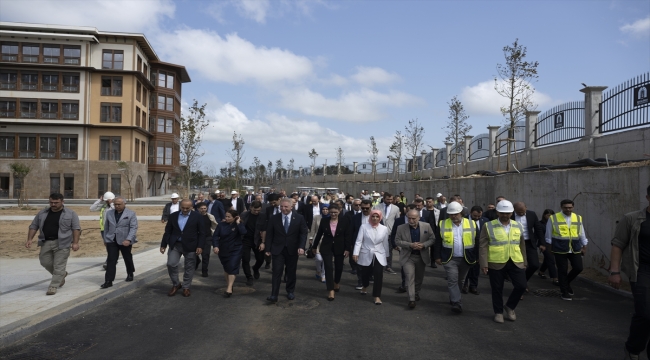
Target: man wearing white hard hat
[(503, 252), (236, 202), (456, 248), (170, 207), (441, 201), (105, 202)]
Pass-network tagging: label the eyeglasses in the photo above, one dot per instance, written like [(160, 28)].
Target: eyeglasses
[(365, 208)]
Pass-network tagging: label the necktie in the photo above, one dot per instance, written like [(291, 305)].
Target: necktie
[(386, 211), (286, 223)]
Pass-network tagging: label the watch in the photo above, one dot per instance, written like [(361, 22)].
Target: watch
[(615, 273)]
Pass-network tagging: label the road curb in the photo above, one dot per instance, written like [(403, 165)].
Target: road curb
[(624, 293), (18, 330)]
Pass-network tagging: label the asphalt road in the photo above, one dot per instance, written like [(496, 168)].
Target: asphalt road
[(147, 324)]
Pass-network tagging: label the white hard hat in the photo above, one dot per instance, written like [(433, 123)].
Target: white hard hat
[(505, 206), (454, 208), (109, 196), (175, 196), (438, 195), (234, 192), (375, 194)]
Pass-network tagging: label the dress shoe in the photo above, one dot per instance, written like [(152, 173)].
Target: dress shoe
[(106, 285), (400, 290), (63, 280), (267, 266), (417, 297), (272, 299), (358, 287), (249, 282), (411, 304), (291, 296), (129, 277), (390, 271), (474, 290), (498, 318), (570, 291), (509, 314), (204, 273), (457, 308), (174, 289), (51, 290), (186, 292), (541, 275), (256, 274), (628, 355), (464, 289), (227, 294)]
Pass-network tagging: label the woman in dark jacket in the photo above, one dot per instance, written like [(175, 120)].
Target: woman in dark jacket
[(227, 243), (335, 233)]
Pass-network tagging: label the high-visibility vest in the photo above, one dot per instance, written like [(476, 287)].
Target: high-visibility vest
[(504, 246), (565, 237), (447, 234), (101, 217)]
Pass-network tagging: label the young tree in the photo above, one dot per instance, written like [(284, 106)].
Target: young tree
[(20, 172), (515, 84), (313, 155), (193, 127), (413, 135), (269, 167), (290, 168), (372, 150), (396, 148), (126, 169), (258, 169), (457, 127), (279, 168), (339, 159), (237, 155)]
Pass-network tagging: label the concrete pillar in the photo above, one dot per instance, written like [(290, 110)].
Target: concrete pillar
[(324, 169), (493, 139), (531, 120), (434, 154), (395, 165), (312, 173), (374, 170), (300, 171), (593, 97), (468, 139), (448, 153)]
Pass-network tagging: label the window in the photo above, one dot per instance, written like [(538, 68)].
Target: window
[(144, 118), (68, 147), (152, 124), (7, 109), (7, 145), (30, 53), (48, 147), (137, 150), (170, 81), (113, 59), (161, 125), (168, 153), (8, 80), (138, 91), (29, 81), (4, 185), (68, 186), (111, 86), (51, 54), (71, 82), (69, 110), (145, 71), (116, 184), (144, 97), (165, 103), (28, 108), (160, 152), (49, 109), (151, 150), (161, 102), (27, 146), (139, 63), (143, 152), (111, 113), (137, 116), (50, 82), (169, 126), (110, 147), (102, 184), (55, 183), (9, 51), (71, 55), (162, 77), (170, 103)]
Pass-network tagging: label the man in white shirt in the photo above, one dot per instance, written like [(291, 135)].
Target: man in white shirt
[(170, 207)]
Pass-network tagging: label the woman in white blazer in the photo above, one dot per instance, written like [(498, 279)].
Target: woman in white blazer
[(370, 251)]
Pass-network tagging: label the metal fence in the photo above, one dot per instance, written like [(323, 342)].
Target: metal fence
[(479, 147), (441, 157), (457, 155), (519, 137), (626, 105), (562, 123)]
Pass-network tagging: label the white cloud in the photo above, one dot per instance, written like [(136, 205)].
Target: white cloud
[(639, 28), (483, 99), (106, 15), (231, 59), (369, 76), (360, 106), (253, 9)]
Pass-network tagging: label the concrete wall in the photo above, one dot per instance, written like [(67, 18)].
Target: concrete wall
[(602, 195)]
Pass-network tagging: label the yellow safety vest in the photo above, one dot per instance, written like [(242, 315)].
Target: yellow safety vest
[(101, 218), (447, 234), (504, 246), (566, 237)]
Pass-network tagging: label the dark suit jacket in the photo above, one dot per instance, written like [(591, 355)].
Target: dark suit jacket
[(535, 228), (491, 214), (301, 208), (336, 243), (197, 203), (248, 199), (259, 226), (308, 213), (166, 210), (240, 205), (192, 235), (277, 239), (217, 211)]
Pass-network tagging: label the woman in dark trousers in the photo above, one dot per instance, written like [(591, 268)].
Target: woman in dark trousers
[(335, 232), (549, 259), (227, 243)]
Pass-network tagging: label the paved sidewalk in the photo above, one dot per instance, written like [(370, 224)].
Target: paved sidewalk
[(83, 217), (25, 309)]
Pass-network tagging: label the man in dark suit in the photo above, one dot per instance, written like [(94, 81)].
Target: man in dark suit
[(215, 207), (185, 235), (308, 212), (286, 237), (272, 208), (199, 199), (492, 214), (471, 281), (248, 200), (236, 202), (299, 206), (533, 235)]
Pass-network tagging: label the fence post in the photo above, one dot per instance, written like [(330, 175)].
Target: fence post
[(531, 120), (468, 140), (448, 155), (434, 154), (493, 130), (593, 97)]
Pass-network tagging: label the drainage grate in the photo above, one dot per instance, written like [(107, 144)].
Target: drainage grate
[(44, 351), (546, 293)]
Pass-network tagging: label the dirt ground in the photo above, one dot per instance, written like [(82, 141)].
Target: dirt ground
[(597, 276), (14, 235), (80, 210)]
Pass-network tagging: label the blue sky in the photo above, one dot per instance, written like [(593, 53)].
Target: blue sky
[(294, 75)]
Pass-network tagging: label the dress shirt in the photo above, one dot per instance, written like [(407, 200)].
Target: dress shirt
[(549, 232), (442, 206), (234, 203), (415, 237), (210, 206), (174, 208), (524, 225), (458, 239), (276, 210), (315, 209), (182, 220), (364, 219), (287, 218)]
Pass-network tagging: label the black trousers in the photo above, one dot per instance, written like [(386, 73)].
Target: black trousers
[(332, 275), (639, 337), (562, 262), (374, 269), (472, 275), (279, 263), (114, 251), (532, 258), (246, 258), (497, 278), (205, 255), (549, 263)]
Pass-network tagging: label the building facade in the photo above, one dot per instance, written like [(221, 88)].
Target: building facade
[(74, 101)]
